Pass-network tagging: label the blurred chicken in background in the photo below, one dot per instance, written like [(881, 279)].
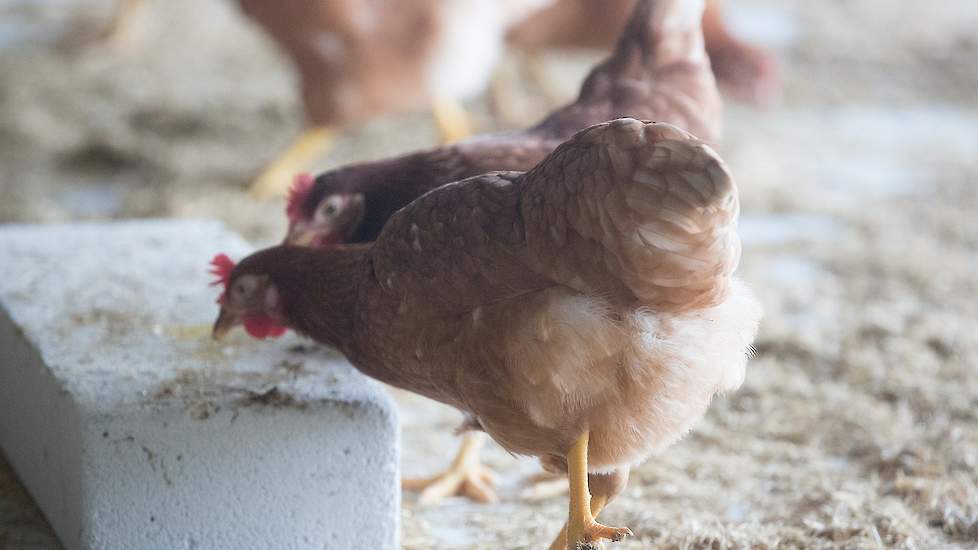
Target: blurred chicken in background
[(358, 59), (743, 71)]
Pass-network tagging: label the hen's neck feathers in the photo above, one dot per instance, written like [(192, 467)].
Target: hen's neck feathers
[(317, 287)]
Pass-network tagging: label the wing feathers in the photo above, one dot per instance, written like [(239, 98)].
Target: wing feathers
[(661, 204), (638, 213)]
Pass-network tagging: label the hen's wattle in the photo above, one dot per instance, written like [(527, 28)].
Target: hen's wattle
[(258, 324), (261, 325)]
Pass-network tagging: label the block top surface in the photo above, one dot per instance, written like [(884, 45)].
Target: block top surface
[(120, 313)]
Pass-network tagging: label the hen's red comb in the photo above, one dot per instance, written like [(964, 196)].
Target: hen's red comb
[(301, 186), (221, 267)]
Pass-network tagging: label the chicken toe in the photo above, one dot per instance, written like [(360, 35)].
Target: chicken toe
[(465, 477)]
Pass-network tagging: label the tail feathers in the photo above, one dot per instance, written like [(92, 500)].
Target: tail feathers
[(641, 210)]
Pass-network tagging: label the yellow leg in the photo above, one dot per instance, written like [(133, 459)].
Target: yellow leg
[(465, 477), (582, 529), (452, 120), (277, 177)]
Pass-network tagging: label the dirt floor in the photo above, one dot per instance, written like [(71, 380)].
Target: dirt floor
[(858, 424)]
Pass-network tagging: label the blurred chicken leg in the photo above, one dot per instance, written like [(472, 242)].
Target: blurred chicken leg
[(454, 123), (276, 178), (466, 476), (450, 117)]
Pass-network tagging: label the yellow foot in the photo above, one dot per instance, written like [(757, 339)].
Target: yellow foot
[(276, 179), (466, 477), (593, 532), (452, 120), (589, 538), (472, 483)]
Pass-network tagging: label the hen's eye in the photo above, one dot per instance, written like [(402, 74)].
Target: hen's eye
[(243, 287), (329, 209)]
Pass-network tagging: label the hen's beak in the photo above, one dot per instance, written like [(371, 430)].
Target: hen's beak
[(224, 323), (301, 235)]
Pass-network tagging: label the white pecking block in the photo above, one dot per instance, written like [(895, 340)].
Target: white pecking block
[(133, 430)]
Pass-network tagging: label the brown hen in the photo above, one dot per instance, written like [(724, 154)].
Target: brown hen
[(658, 71), (358, 58), (584, 312)]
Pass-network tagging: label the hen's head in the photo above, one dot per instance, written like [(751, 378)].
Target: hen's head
[(248, 299), (319, 214)]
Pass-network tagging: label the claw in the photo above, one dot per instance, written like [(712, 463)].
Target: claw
[(474, 483), (596, 532), (466, 477)]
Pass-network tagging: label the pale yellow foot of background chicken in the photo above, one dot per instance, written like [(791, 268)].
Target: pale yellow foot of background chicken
[(275, 180), (452, 120), (465, 477), (581, 528)]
